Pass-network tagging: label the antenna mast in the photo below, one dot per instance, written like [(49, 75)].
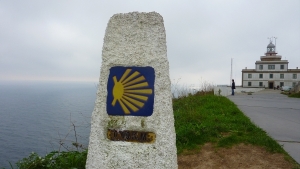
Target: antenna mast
[(275, 43)]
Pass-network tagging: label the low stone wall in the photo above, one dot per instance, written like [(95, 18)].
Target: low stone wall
[(226, 91), (241, 90), (223, 91)]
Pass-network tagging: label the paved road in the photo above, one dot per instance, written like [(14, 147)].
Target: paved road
[(275, 113)]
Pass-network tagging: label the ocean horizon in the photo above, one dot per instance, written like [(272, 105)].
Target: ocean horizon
[(39, 117)]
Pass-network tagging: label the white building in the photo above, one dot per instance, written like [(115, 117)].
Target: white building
[(270, 71)]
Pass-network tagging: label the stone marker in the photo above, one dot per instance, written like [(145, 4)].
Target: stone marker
[(132, 123)]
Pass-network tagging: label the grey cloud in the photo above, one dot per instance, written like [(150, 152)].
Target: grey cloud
[(64, 38)]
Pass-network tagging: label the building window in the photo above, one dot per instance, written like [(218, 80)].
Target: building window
[(294, 84), (260, 76), (260, 84), (249, 83), (249, 76), (281, 76), (271, 66), (271, 76), (294, 76), (281, 66), (260, 67), (281, 84)]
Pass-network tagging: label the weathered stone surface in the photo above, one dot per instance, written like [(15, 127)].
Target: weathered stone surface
[(134, 39)]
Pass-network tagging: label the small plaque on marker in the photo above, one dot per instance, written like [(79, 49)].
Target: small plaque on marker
[(131, 136)]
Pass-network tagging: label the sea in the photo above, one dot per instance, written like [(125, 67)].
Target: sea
[(42, 117)]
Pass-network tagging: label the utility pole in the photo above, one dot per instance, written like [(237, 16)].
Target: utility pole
[(230, 74)]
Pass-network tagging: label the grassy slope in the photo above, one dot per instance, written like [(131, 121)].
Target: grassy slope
[(201, 119), (297, 95)]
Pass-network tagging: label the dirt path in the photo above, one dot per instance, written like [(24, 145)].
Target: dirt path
[(238, 157)]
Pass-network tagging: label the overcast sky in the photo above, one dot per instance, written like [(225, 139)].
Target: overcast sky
[(62, 40)]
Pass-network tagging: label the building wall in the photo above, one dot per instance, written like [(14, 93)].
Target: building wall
[(288, 79), (266, 66), (270, 71)]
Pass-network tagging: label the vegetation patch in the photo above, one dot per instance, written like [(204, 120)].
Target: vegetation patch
[(297, 95), (54, 160), (207, 118), (291, 94)]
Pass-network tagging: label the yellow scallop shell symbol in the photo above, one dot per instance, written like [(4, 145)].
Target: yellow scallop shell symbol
[(130, 91)]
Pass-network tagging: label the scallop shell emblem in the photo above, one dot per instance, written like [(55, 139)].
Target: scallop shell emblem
[(131, 91)]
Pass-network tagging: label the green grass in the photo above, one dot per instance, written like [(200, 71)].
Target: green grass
[(208, 118), (289, 94), (297, 95), (199, 119), (54, 160)]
